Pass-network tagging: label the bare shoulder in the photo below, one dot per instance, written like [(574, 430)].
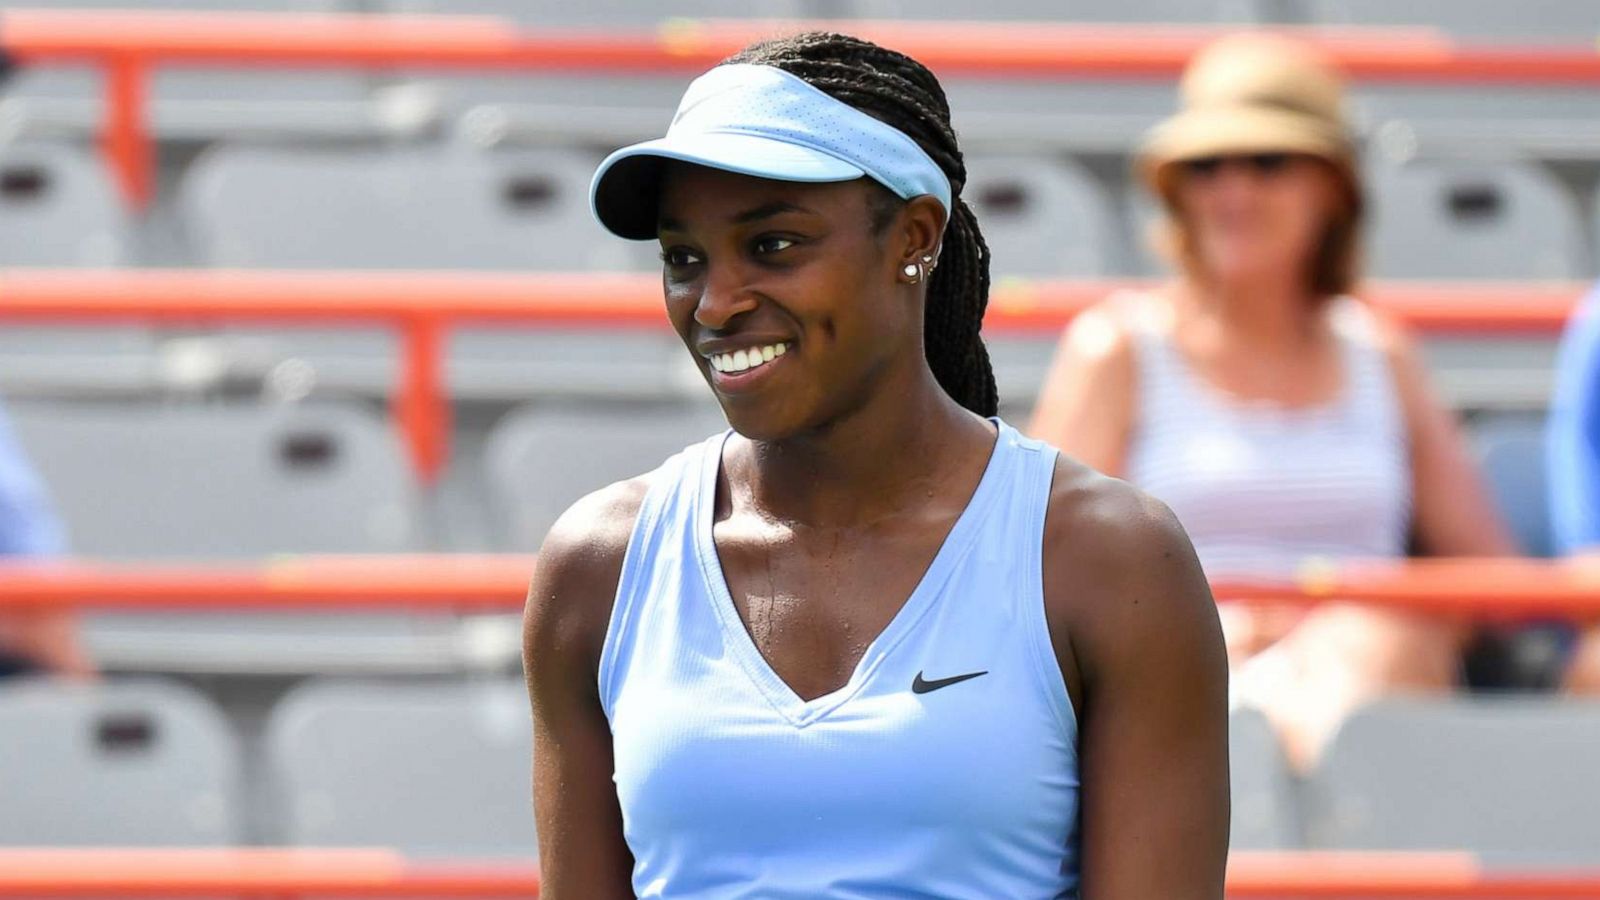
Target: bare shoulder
[(1117, 564), (1102, 335), (575, 578)]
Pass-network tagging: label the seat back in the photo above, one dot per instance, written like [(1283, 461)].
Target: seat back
[(438, 768), (225, 481), (118, 763), (397, 208), (1265, 815), (1435, 219), (1512, 780), (539, 460)]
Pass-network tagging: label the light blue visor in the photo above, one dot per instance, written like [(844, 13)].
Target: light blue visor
[(761, 121)]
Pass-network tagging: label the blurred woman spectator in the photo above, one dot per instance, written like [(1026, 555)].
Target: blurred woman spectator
[(1281, 419), (1572, 452), (32, 641)]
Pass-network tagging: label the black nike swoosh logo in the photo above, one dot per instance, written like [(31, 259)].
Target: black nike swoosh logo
[(920, 686)]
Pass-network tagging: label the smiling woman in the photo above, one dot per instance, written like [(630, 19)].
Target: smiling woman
[(871, 642)]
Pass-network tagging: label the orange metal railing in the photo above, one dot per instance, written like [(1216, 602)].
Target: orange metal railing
[(424, 306), (1476, 588), (96, 872), (128, 46)]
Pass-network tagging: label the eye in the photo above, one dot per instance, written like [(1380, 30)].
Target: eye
[(679, 256), (772, 244)]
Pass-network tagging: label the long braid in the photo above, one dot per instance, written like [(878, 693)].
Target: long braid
[(901, 92)]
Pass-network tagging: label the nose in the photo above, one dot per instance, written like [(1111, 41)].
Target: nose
[(726, 295)]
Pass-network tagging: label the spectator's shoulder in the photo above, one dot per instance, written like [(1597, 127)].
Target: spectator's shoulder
[(1103, 334)]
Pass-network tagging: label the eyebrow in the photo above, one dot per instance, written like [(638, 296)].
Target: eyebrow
[(754, 214), (767, 210)]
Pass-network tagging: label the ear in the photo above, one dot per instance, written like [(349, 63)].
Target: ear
[(916, 236)]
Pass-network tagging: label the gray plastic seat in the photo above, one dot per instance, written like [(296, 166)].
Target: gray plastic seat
[(438, 769), (224, 481), (1145, 11), (1437, 219), (1511, 453), (278, 95), (592, 105), (1040, 216), (1570, 21), (1264, 809), (59, 208), (401, 208), (1511, 780), (118, 763), (609, 13), (236, 482), (540, 460)]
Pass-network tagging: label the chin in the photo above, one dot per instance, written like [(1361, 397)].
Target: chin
[(761, 422)]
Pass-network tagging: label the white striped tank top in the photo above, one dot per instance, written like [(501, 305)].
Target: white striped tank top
[(1261, 488), (946, 767)]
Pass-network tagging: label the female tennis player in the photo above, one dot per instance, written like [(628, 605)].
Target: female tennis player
[(872, 642)]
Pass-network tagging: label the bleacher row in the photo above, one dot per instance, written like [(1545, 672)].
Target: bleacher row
[(417, 169), (242, 481), (441, 769), (456, 206)]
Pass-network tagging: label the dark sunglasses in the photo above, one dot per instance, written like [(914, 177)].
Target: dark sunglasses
[(1259, 163)]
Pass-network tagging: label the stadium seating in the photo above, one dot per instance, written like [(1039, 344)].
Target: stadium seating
[(541, 459), (1556, 21), (142, 763), (58, 208), (1511, 455), (228, 481), (199, 99), (609, 13), (428, 768), (1040, 217), (411, 207), (1439, 219), (1147, 11), (236, 482), (1512, 780), (1264, 812)]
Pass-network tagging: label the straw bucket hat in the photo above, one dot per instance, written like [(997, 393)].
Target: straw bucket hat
[(1252, 93)]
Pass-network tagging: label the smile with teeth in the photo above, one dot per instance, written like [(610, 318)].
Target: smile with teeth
[(741, 360)]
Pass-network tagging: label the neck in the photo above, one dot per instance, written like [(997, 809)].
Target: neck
[(874, 461), (1273, 309)]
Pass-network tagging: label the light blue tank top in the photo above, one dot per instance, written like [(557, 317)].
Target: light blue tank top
[(732, 786)]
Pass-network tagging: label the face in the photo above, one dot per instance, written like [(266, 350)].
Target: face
[(1255, 216), (786, 294)]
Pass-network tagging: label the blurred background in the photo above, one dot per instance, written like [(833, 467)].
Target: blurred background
[(192, 413)]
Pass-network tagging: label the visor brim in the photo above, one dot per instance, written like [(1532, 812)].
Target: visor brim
[(626, 189)]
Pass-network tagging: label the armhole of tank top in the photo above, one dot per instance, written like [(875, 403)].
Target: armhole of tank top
[(624, 603), (1379, 384), (1140, 315), (1371, 370), (1040, 483)]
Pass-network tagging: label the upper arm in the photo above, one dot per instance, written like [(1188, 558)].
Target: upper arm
[(1133, 617), (1573, 451), (581, 848), (1453, 512), (1086, 405)]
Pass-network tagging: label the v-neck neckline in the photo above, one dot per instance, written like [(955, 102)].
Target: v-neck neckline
[(783, 698)]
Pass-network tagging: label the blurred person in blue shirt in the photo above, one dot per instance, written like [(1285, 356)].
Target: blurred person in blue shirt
[(1572, 453), (32, 642)]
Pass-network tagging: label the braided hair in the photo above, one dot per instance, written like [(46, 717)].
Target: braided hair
[(902, 93)]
